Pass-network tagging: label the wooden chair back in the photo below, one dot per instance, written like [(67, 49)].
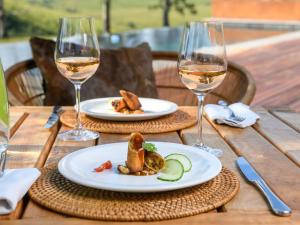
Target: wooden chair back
[(238, 86), (25, 83)]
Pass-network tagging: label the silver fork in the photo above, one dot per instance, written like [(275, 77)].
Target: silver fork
[(232, 117)]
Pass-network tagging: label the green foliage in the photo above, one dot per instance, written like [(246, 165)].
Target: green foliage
[(40, 17), (150, 147), (180, 6)]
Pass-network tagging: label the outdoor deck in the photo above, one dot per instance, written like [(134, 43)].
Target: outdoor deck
[(276, 70)]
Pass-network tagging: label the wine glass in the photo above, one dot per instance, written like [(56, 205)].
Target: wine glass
[(202, 65), (4, 121), (77, 57)]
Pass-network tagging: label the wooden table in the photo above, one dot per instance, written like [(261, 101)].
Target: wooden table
[(272, 146)]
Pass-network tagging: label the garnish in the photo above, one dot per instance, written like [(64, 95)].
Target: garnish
[(175, 166), (149, 147), (104, 166)]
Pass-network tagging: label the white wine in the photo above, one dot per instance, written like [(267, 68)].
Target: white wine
[(77, 69), (202, 78)]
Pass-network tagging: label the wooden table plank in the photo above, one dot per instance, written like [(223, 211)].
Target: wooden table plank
[(279, 134), (290, 118), (243, 141), (228, 218), (27, 144), (59, 149), (277, 170), (248, 199), (16, 119)]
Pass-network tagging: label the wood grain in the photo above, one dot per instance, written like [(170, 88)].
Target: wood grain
[(27, 144), (59, 149), (31, 144), (276, 78), (279, 134), (248, 199), (277, 170), (290, 118), (207, 218)]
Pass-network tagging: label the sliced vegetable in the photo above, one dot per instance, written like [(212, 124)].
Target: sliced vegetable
[(172, 171), (185, 161), (105, 166)]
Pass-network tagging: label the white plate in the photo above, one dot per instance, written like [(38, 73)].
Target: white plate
[(153, 108), (78, 167)]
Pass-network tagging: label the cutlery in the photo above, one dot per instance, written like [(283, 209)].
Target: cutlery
[(229, 122), (277, 205), (53, 118), (232, 117)]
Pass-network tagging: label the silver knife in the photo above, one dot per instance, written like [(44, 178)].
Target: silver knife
[(277, 205), (53, 118)]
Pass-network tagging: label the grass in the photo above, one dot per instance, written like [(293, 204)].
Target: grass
[(40, 17)]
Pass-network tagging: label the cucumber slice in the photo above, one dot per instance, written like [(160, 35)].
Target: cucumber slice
[(185, 161), (172, 171)]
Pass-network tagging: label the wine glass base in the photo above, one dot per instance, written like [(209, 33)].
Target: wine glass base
[(214, 151), (78, 135)]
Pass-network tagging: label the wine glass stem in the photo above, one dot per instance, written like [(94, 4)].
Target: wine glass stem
[(77, 93), (2, 162), (200, 118)]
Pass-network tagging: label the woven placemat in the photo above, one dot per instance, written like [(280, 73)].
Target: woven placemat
[(181, 119), (55, 192)]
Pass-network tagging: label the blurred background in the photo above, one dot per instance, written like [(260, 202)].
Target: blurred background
[(261, 35)]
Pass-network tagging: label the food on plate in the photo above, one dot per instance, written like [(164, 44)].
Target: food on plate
[(132, 101), (185, 161), (173, 170), (136, 153), (154, 161), (118, 105), (128, 104), (141, 157), (104, 166), (176, 165)]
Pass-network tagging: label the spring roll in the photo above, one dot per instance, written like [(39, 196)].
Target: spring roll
[(136, 153)]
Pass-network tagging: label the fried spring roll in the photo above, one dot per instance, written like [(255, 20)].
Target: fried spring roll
[(136, 154)]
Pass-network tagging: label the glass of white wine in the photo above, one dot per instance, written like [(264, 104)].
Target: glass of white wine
[(77, 57), (202, 65)]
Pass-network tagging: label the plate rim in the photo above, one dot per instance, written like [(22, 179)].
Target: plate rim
[(131, 117), (62, 161)]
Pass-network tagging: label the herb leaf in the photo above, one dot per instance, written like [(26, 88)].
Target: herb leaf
[(149, 147)]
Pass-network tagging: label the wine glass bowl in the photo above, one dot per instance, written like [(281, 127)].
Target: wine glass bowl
[(202, 65), (4, 121), (77, 57)]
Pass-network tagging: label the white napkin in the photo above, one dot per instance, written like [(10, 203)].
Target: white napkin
[(218, 112), (13, 186)]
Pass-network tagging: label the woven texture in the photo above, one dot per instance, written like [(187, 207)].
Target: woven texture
[(55, 192), (181, 119)]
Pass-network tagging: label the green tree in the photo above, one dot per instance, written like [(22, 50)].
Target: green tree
[(179, 5)]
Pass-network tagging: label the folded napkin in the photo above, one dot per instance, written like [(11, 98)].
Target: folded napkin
[(13, 186), (220, 113)]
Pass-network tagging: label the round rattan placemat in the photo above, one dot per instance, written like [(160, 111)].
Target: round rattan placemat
[(55, 192), (182, 118)]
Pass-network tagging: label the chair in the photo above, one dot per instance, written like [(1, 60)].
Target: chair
[(238, 86), (25, 83)]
